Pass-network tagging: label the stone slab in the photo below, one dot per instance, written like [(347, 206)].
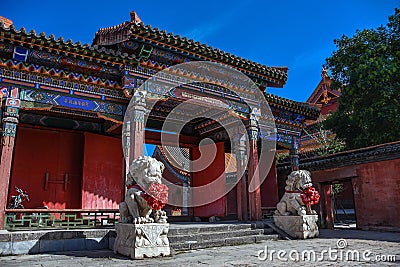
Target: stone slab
[(5, 248), (51, 245), (25, 247), (96, 243), (74, 244)]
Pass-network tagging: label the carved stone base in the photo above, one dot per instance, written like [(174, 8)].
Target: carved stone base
[(142, 240), (300, 227)]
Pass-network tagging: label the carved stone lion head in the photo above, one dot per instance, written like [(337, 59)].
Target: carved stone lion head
[(298, 180), (145, 171)]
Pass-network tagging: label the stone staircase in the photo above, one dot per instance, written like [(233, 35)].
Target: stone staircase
[(182, 236), (189, 236)]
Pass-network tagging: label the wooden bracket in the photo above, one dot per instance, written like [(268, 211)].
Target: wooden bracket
[(47, 180)]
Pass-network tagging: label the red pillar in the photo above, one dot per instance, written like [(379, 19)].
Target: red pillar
[(329, 221), (253, 173), (5, 173), (10, 122), (241, 186)]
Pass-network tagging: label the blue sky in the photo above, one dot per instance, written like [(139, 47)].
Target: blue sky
[(296, 34)]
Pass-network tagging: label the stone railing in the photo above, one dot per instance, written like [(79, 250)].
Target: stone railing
[(40, 219)]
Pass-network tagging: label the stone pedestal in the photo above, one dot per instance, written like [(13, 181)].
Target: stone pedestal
[(300, 227), (142, 240)]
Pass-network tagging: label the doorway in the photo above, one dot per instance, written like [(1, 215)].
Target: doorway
[(343, 208)]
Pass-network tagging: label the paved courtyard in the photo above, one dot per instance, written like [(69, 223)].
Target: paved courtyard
[(354, 248)]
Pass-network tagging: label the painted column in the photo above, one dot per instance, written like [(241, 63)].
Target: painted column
[(253, 172), (241, 187), (10, 121), (134, 127), (294, 154), (127, 148), (185, 198), (137, 127)]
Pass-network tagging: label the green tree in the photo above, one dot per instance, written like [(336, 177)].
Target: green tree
[(367, 69), (329, 144)]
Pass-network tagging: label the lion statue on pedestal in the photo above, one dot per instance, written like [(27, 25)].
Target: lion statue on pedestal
[(299, 195), (145, 192)]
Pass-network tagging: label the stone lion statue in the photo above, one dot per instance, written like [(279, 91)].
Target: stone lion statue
[(143, 172), (291, 202)]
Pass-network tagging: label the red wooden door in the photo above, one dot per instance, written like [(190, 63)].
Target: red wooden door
[(102, 183), (56, 153)]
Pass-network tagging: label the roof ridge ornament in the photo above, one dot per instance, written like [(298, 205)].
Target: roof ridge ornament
[(324, 73), (6, 22), (134, 17)]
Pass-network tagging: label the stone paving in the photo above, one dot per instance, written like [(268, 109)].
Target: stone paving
[(367, 244)]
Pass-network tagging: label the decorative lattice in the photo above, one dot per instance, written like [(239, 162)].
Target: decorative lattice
[(28, 219)]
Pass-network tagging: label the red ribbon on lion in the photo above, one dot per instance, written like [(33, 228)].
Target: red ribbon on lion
[(310, 196)]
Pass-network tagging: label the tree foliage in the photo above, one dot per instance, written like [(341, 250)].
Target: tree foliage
[(367, 69)]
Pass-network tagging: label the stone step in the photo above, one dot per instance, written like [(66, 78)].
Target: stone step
[(203, 236), (176, 229), (229, 241), (182, 237)]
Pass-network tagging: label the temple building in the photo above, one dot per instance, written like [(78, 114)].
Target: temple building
[(63, 107), (327, 99)]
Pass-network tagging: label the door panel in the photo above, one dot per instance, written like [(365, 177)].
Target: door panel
[(39, 151), (102, 184)]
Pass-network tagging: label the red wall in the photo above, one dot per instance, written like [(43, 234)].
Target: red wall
[(39, 151), (376, 194), (331, 107), (102, 183), (209, 174), (269, 189), (376, 188)]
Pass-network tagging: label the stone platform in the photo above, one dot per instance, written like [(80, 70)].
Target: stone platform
[(182, 236), (379, 243)]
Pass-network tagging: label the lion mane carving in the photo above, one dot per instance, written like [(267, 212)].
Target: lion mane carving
[(143, 172), (291, 202)]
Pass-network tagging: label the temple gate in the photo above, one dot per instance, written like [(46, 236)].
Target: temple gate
[(61, 101)]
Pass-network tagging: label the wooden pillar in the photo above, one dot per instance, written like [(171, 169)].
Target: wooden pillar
[(329, 219), (10, 121), (253, 172), (294, 155), (325, 206), (241, 186)]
